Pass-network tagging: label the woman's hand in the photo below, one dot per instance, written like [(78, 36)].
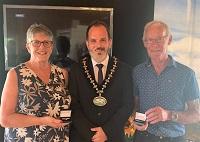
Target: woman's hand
[(52, 122)]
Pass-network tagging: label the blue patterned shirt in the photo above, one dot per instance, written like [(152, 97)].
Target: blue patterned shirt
[(170, 90)]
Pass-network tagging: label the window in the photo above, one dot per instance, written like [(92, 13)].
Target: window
[(63, 21), (184, 21)]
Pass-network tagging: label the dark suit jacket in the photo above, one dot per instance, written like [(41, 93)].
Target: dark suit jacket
[(112, 116)]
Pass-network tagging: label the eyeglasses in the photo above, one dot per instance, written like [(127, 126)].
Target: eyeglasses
[(159, 40), (37, 43)]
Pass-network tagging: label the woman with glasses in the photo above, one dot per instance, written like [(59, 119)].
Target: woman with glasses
[(35, 94)]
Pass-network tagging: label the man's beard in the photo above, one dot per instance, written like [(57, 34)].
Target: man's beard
[(100, 50)]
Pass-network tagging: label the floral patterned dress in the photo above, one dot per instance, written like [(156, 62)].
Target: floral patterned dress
[(39, 99)]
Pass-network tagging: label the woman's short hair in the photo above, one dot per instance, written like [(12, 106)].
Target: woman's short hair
[(38, 28)]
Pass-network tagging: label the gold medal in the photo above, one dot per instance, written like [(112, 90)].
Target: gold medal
[(99, 101)]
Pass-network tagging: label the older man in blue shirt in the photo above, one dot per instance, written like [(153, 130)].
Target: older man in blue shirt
[(167, 91)]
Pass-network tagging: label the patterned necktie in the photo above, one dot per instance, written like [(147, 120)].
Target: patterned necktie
[(100, 73)]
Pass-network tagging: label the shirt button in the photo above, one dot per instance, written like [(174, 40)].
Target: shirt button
[(99, 114)]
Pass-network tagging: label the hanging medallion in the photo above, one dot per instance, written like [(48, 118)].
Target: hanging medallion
[(99, 101)]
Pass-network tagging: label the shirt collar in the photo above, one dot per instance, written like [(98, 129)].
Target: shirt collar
[(171, 62), (104, 62)]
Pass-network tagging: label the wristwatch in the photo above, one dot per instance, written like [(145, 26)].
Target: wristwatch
[(174, 116)]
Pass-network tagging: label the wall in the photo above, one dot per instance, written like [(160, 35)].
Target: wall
[(129, 19)]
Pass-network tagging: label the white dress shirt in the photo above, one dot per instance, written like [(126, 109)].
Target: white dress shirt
[(96, 69)]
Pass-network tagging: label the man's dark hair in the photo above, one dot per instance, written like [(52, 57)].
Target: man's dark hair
[(97, 23)]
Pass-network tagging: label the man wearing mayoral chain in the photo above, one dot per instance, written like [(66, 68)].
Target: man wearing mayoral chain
[(101, 89)]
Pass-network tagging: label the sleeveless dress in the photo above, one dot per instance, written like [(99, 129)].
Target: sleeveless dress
[(39, 99)]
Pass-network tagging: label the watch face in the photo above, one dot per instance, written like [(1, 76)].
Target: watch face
[(174, 116)]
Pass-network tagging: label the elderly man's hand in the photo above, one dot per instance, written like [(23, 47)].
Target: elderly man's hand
[(141, 127), (157, 114)]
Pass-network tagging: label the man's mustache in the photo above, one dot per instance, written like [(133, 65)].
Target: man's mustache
[(100, 48)]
